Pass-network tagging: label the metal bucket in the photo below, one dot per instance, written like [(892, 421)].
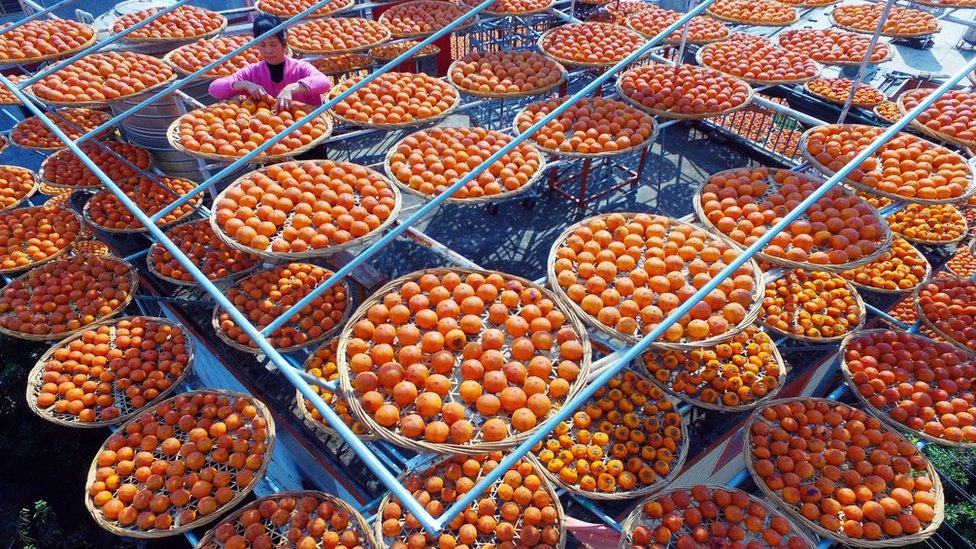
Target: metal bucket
[(147, 127), (200, 90)]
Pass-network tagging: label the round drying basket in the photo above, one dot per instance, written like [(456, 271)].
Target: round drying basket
[(636, 518), (789, 263), (52, 56), (60, 144), (698, 403), (796, 17), (605, 154), (174, 39), (215, 323), (525, 13), (45, 181), (507, 195), (312, 51), (883, 415), (133, 276), (928, 323), (862, 104), (614, 334), (465, 25), (545, 485), (928, 274), (172, 135), (583, 64), (101, 104), (183, 73), (944, 5), (196, 202), (680, 116), (755, 81), (660, 482), (241, 491), (306, 411), (879, 114), (472, 448), (404, 125), (309, 254), (57, 255), (894, 35), (815, 527), (279, 534), (923, 242), (935, 134), (35, 381), (691, 40), (564, 74), (151, 265), (807, 5), (340, 6), (33, 190), (889, 53), (862, 318)]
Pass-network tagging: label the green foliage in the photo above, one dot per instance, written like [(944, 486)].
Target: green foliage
[(956, 464), (39, 527), (962, 517)]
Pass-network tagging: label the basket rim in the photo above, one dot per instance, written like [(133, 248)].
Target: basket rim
[(929, 132), (387, 168), (36, 373), (586, 64), (133, 276), (151, 265), (59, 253), (405, 125), (862, 309), (928, 274), (758, 82), (834, 22), (594, 324), (310, 254), (679, 116), (860, 104), (206, 519), (816, 528), (313, 51), (471, 448), (304, 410), (196, 202), (35, 177), (66, 151), (384, 18), (492, 95)]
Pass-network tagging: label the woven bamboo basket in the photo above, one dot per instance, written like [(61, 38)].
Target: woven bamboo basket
[(492, 95), (196, 202), (384, 55), (928, 323), (387, 16), (66, 212), (923, 242), (215, 322), (889, 53), (134, 286), (384, 542), (241, 492), (894, 35), (883, 414), (928, 274), (279, 534), (863, 316), (405, 125), (362, 47), (860, 262), (585, 64), (362, 61), (177, 39), (949, 4), (104, 103), (33, 190), (303, 406), (880, 115), (154, 269), (778, 361), (312, 253), (861, 104), (755, 81), (691, 39), (35, 381), (806, 4), (60, 144), (334, 7), (60, 55), (972, 78), (387, 168), (796, 17), (67, 152), (206, 77), (660, 481), (922, 128), (815, 527), (488, 12), (173, 136), (636, 518), (613, 333), (473, 447), (681, 116), (605, 154)]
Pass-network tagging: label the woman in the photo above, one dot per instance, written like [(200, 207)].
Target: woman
[(278, 77)]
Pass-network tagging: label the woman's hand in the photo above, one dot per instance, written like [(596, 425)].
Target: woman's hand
[(286, 96), (250, 89)]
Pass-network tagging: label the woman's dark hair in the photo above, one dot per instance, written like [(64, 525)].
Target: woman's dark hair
[(265, 22)]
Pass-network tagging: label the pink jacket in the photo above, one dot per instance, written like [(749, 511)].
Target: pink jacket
[(258, 73)]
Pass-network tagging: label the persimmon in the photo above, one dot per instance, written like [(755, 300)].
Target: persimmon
[(590, 126), (837, 90), (44, 38), (950, 117), (963, 263), (757, 61), (211, 255), (590, 43), (105, 210), (336, 35), (182, 23), (501, 73), (196, 55), (650, 20), (887, 111), (266, 295), (16, 185), (396, 99), (65, 169), (422, 17), (431, 160), (683, 90), (901, 269), (814, 305), (901, 22), (832, 46), (165, 481), (749, 12), (928, 223), (103, 77), (31, 133)]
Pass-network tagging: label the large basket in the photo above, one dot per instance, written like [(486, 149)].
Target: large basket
[(660, 481), (883, 415), (34, 176), (928, 274), (311, 253), (403, 125), (931, 325), (605, 154), (681, 116), (491, 492), (789, 263), (757, 82), (466, 201), (312, 51), (862, 318), (60, 55), (515, 95), (488, 12), (208, 246), (177, 39), (386, 16), (861, 104), (134, 286), (60, 144), (34, 382), (815, 527), (242, 491), (342, 5), (43, 180), (669, 40), (306, 411), (922, 128), (802, 147), (173, 136), (67, 212), (584, 64), (796, 17), (635, 517), (894, 35), (279, 534), (472, 447), (612, 333), (195, 203), (134, 97)]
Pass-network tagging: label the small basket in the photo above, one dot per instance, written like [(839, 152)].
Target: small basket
[(757, 82), (101, 104), (34, 381), (311, 253), (516, 95), (306, 411), (584, 64), (65, 151), (862, 314), (66, 212), (604, 154), (681, 116), (241, 491), (612, 333), (60, 144), (928, 274), (207, 245), (473, 447), (935, 134), (815, 527), (60, 55), (861, 104), (34, 176), (196, 202)]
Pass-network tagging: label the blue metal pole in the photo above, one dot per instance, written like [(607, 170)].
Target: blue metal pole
[(437, 200), (321, 109), (570, 407), (98, 45), (180, 81), (35, 15), (290, 373)]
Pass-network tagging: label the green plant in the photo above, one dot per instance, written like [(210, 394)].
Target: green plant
[(956, 464)]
